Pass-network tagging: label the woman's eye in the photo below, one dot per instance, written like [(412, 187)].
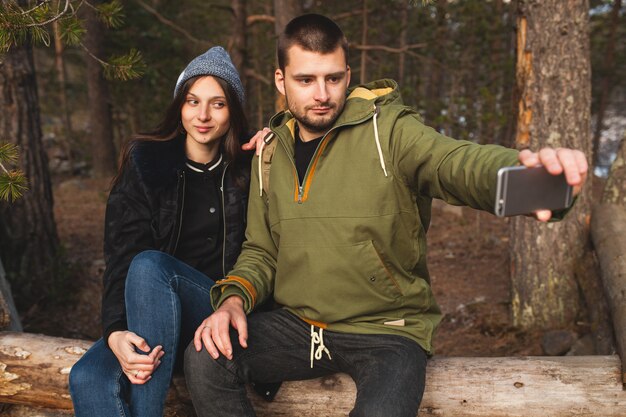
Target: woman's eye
[(219, 105), (192, 102)]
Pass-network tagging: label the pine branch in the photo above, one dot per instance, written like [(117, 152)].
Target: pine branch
[(13, 184), (111, 14), (71, 31), (8, 153), (173, 25), (52, 19)]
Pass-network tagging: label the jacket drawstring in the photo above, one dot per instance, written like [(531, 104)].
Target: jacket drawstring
[(318, 339), (267, 139), (380, 152)]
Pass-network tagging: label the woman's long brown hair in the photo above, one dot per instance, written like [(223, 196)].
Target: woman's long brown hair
[(170, 127)]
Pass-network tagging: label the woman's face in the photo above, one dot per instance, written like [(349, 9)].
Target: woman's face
[(206, 119)]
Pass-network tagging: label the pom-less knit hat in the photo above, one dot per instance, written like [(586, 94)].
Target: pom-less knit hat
[(215, 61)]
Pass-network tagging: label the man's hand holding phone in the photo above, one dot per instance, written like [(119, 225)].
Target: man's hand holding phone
[(571, 162)]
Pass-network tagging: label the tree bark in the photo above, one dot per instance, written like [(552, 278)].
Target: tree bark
[(608, 229), (363, 70), (607, 81), (438, 72), (238, 50), (100, 119), (59, 64), (404, 24), (615, 187), (28, 236), (34, 371), (553, 75), (9, 318)]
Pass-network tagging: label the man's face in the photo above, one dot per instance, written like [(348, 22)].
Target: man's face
[(314, 86)]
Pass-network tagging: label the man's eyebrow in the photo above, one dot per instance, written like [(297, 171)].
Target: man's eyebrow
[(334, 74)]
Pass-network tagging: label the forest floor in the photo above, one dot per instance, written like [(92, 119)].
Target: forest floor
[(467, 253)]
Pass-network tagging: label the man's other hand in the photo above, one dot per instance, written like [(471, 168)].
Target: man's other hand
[(214, 331)]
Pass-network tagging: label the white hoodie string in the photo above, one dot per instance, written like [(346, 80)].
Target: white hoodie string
[(380, 152), (318, 339), (265, 141)]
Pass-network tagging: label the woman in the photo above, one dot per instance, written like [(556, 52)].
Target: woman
[(175, 222)]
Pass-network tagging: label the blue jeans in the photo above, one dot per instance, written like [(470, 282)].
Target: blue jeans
[(166, 300), (389, 371)]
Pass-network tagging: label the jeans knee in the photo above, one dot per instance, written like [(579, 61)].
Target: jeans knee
[(200, 366), (146, 265), (82, 378), (77, 378)]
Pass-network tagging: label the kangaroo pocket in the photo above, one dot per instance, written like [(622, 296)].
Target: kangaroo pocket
[(334, 283)]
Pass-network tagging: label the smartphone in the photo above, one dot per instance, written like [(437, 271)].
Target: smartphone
[(522, 190)]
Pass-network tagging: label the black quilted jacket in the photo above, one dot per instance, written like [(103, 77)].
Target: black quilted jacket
[(144, 210)]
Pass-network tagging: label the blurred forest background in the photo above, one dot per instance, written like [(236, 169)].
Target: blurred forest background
[(455, 61)]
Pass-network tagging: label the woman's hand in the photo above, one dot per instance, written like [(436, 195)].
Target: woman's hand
[(138, 368)]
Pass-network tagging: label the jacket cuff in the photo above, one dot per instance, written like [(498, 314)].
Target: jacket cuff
[(233, 285), (115, 327)]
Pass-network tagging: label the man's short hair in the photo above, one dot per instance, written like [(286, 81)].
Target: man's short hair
[(312, 32)]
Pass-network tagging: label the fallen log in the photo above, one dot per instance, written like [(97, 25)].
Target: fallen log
[(608, 232), (34, 371)]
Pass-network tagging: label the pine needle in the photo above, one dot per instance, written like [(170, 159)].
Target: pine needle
[(12, 185), (8, 152)]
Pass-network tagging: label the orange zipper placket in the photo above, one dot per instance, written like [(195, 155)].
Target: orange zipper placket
[(309, 178)]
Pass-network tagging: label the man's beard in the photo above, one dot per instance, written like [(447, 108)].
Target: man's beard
[(319, 124)]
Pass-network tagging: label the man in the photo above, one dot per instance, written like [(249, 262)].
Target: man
[(338, 236)]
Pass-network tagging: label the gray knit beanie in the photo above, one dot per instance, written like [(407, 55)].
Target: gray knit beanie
[(215, 61)]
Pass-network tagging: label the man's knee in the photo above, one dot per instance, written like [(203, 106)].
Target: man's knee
[(196, 364)]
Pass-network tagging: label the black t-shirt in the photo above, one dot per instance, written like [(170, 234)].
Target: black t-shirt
[(201, 234), (303, 153)]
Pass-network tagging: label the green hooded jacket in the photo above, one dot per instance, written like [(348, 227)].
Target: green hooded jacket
[(346, 249)]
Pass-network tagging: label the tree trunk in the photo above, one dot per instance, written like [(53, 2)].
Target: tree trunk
[(238, 50), (437, 71), (59, 64), (615, 187), (404, 24), (9, 318), (553, 75), (100, 119), (28, 236), (284, 11), (608, 229), (363, 70), (607, 81), (34, 371)]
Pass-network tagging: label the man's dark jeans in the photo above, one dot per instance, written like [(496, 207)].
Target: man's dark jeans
[(389, 371)]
